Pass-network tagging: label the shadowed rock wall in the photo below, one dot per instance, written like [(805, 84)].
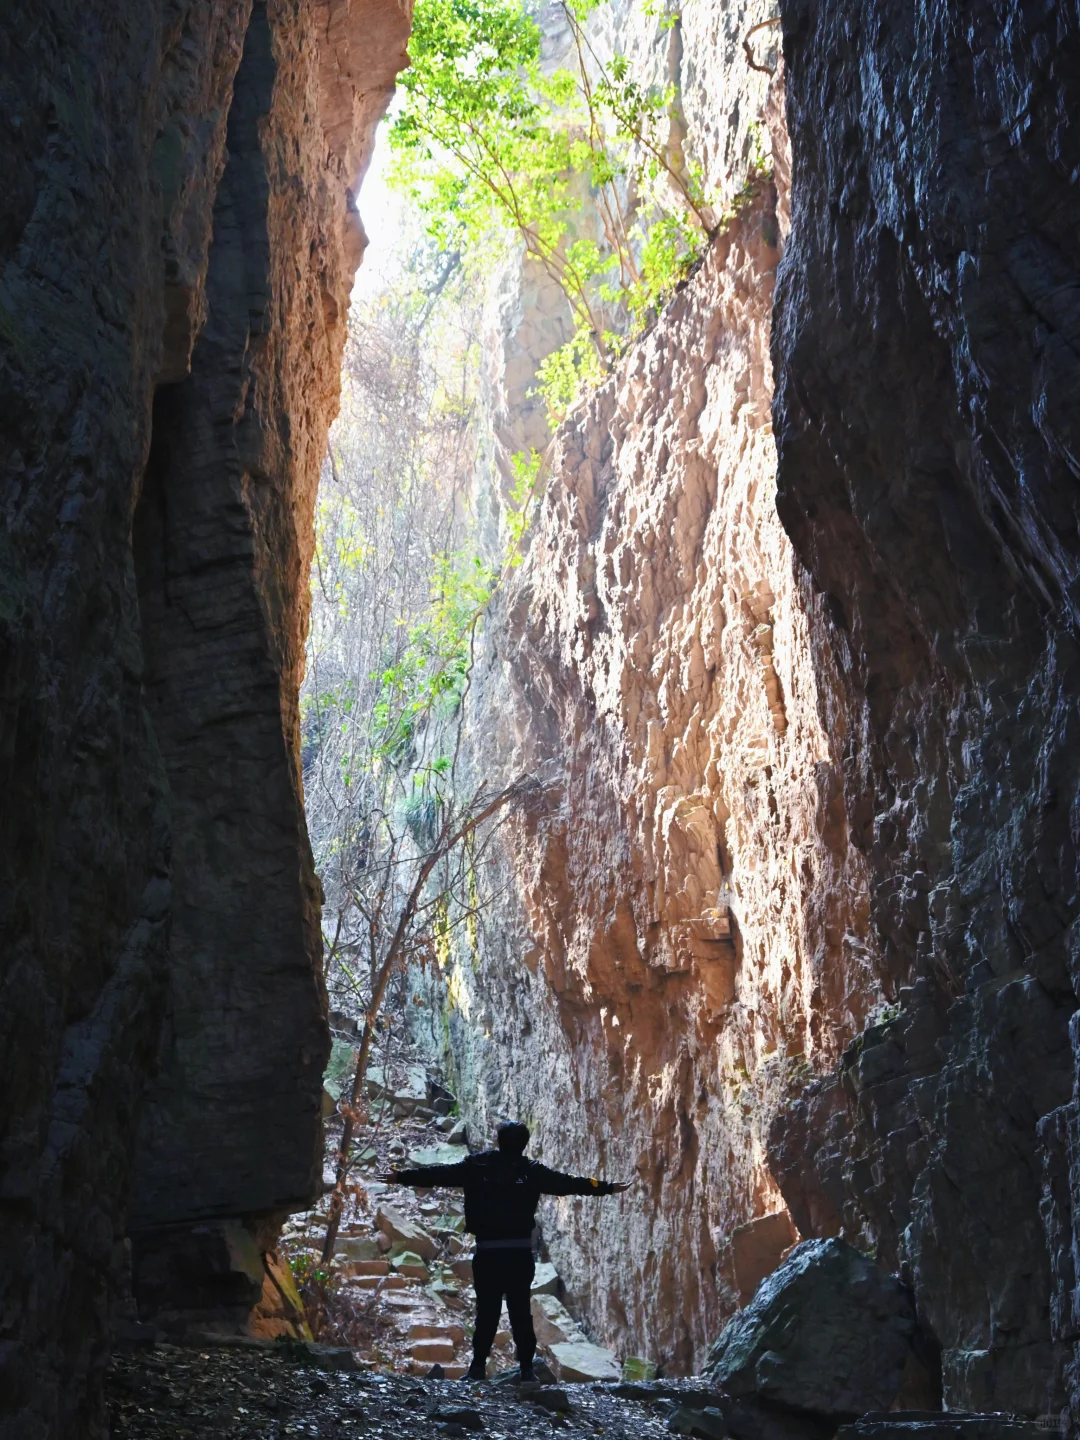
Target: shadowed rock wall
[(178, 182), (925, 346)]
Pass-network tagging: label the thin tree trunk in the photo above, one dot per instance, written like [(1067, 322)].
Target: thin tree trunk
[(337, 1200), (447, 841)]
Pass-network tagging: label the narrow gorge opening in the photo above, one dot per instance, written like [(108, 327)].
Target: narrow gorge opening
[(685, 727), (593, 627)]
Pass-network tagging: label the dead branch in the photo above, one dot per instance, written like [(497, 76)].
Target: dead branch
[(748, 48)]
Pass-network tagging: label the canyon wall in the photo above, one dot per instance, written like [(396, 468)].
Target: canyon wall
[(177, 247), (682, 931), (927, 383), (794, 934)]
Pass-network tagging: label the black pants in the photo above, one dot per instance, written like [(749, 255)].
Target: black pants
[(497, 1273)]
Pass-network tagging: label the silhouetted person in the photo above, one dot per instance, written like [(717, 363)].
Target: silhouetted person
[(502, 1189)]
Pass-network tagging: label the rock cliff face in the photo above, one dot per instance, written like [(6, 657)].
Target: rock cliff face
[(851, 697), (927, 379), (177, 247), (691, 930)]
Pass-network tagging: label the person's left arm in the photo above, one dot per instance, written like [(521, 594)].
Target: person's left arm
[(554, 1182)]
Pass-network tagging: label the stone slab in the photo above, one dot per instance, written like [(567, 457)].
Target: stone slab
[(578, 1363)]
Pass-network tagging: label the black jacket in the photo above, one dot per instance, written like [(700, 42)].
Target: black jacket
[(501, 1193)]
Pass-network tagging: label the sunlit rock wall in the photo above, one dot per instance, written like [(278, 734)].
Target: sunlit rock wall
[(867, 728), (177, 184), (681, 930)]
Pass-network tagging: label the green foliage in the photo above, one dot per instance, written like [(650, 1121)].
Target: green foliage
[(760, 159), (577, 163), (306, 1271), (671, 248), (526, 470), (567, 372), (668, 21), (430, 674)]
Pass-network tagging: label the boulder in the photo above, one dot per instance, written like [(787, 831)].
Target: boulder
[(369, 1267), (742, 1419), (357, 1247), (708, 1424), (432, 1351), (579, 1362), (402, 1256), (381, 1283), (409, 1264), (548, 1397), (553, 1323), (446, 1291), (421, 1331), (829, 1332), (463, 1416), (545, 1280), (406, 1089), (448, 1224), (400, 1230)]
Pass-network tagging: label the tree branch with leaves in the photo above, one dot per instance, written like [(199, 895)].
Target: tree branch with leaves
[(489, 141)]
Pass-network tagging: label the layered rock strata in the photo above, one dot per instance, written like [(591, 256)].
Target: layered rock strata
[(177, 246), (927, 386)]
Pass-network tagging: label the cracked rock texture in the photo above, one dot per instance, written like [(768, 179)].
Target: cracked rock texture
[(686, 929), (841, 676), (925, 349), (177, 244)]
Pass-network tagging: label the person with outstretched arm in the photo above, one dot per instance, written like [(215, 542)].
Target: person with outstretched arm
[(502, 1189)]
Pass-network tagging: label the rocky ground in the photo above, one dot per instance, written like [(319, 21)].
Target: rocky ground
[(226, 1394), (390, 1318), (376, 1342), (398, 1292)]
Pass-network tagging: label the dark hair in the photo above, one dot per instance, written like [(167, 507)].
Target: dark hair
[(513, 1137)]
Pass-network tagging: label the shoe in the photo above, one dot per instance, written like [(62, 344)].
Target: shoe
[(477, 1371), (528, 1375)]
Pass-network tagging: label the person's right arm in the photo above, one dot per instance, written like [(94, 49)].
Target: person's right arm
[(427, 1176)]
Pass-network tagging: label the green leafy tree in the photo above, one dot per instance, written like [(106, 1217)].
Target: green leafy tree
[(570, 160)]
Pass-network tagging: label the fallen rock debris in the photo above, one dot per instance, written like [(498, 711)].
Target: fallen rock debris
[(828, 1332), (391, 1319), (398, 1291), (272, 1391)]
